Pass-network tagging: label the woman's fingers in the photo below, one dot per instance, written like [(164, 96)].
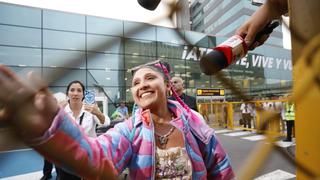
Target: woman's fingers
[(9, 85), (35, 82), (7, 72), (3, 116), (242, 31), (14, 92)]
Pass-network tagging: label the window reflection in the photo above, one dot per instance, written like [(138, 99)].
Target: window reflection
[(139, 31), (61, 58), (105, 61), (169, 35), (63, 40), (14, 56), (107, 44), (20, 36), (97, 25), (195, 38), (168, 50), (17, 15), (105, 77), (63, 21), (194, 76), (63, 76), (140, 48)]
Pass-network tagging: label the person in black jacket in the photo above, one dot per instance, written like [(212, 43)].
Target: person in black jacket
[(177, 83)]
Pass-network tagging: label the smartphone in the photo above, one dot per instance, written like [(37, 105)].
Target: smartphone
[(89, 97)]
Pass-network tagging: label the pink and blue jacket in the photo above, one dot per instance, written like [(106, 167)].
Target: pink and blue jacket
[(131, 145)]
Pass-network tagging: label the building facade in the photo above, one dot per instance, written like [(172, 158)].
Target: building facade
[(183, 15), (63, 47), (223, 17)]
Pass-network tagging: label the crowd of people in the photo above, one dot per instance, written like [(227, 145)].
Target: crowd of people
[(282, 107)]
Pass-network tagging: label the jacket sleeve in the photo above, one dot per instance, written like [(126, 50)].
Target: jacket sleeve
[(66, 145), (216, 160)]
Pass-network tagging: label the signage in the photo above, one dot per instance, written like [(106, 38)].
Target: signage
[(251, 60), (210, 92)]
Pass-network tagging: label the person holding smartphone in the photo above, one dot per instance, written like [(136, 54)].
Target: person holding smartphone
[(82, 107)]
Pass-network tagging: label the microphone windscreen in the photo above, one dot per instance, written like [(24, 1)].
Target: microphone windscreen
[(213, 62), (149, 4)]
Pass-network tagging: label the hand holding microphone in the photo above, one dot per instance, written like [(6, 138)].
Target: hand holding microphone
[(231, 50)]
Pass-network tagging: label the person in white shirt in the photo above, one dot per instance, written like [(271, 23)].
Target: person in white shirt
[(246, 110), (278, 108), (87, 115)]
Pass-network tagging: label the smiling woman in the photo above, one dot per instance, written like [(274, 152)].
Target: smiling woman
[(150, 86), (163, 139)]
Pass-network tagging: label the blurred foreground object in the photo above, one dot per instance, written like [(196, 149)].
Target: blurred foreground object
[(149, 4)]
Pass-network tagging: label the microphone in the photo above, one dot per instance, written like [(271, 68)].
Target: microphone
[(230, 51), (149, 4)]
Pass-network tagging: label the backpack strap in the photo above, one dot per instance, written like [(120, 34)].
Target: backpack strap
[(81, 118)]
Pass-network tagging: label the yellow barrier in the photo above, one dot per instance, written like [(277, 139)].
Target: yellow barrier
[(228, 115)]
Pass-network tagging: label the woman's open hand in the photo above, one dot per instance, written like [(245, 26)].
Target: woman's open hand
[(27, 105)]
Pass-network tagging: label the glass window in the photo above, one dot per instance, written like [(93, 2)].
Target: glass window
[(20, 36), (139, 31), (97, 25), (198, 39), (63, 76), (212, 41), (129, 97), (63, 21), (105, 78), (230, 29), (177, 66), (107, 44), (14, 56), (17, 15), (140, 48), (169, 35), (128, 79), (23, 71), (63, 40), (168, 50), (132, 61), (60, 58), (105, 61), (194, 77), (114, 94)]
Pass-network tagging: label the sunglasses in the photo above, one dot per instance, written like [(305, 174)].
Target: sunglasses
[(157, 64)]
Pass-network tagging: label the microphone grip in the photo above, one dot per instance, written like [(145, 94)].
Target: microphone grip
[(222, 56)]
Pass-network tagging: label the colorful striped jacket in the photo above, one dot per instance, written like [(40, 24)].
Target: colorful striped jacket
[(116, 150)]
